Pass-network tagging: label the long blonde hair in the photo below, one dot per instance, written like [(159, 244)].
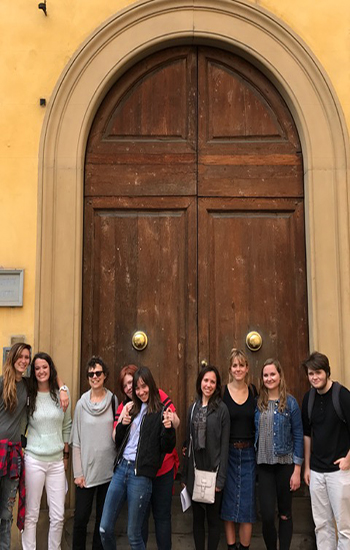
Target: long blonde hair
[(263, 398), (243, 360), (9, 390)]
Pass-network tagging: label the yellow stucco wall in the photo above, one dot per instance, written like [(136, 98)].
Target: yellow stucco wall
[(34, 51)]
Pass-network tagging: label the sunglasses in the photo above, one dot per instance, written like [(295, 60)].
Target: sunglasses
[(97, 373)]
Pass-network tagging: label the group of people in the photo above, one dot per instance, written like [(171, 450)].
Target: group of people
[(126, 452)]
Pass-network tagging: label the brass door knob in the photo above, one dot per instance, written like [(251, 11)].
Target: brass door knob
[(204, 363), (139, 340), (253, 341)]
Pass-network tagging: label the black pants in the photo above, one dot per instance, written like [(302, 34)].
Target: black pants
[(161, 500), (83, 506), (212, 511), (274, 486)]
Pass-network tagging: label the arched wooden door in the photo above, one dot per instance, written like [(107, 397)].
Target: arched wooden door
[(194, 221)]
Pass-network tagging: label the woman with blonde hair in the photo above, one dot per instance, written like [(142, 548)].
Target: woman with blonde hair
[(238, 504), (280, 452), (13, 399)]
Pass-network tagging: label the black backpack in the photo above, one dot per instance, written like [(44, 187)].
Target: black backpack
[(335, 400)]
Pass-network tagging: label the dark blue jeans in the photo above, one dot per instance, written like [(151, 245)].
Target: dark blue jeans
[(137, 490), (162, 495), (8, 490)]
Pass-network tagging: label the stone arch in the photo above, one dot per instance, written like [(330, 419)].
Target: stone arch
[(118, 43)]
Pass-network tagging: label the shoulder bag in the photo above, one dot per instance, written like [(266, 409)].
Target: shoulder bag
[(204, 481)]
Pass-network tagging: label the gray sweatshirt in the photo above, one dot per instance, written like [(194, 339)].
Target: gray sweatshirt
[(91, 437)]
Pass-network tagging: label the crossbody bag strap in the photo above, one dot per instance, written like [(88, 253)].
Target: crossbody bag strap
[(191, 440)]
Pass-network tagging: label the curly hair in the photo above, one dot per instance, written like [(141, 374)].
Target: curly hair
[(9, 391), (263, 398), (97, 360), (33, 383)]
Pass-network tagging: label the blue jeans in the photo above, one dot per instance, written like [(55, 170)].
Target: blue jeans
[(162, 495), (8, 490), (137, 490)]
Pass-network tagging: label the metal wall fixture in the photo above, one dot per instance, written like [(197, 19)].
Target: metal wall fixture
[(42, 6), (253, 341), (139, 340)]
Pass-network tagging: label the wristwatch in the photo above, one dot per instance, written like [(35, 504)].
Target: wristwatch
[(63, 388)]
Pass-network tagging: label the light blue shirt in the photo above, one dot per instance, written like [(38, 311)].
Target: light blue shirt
[(134, 434)]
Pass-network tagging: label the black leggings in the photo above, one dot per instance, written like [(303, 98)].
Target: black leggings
[(212, 511), (274, 485)]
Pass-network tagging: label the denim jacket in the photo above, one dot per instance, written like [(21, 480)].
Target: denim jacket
[(287, 430)]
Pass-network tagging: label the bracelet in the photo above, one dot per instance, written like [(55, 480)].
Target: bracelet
[(63, 388), (65, 454)]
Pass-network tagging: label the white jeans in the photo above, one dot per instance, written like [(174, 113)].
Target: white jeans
[(37, 475), (330, 500)]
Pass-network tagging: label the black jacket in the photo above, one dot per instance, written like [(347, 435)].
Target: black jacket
[(215, 455), (154, 442)]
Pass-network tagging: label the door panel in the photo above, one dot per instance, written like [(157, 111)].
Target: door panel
[(247, 141), (141, 274), (251, 277), (143, 139)]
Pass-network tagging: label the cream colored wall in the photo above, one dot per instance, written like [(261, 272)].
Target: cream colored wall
[(36, 49)]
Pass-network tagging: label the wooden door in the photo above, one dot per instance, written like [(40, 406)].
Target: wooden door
[(194, 221), (251, 241)]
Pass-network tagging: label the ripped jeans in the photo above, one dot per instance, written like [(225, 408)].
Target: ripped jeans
[(8, 490), (137, 490)]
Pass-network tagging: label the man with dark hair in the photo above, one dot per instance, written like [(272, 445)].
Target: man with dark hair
[(326, 423)]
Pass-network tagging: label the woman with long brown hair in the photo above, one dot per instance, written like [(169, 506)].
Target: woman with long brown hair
[(207, 434), (143, 435), (280, 452), (46, 455), (162, 484)]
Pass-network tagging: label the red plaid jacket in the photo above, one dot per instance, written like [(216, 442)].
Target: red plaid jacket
[(12, 464)]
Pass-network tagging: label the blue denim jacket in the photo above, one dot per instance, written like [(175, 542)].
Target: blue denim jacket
[(288, 434)]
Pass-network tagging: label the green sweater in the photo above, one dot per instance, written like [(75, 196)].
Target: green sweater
[(48, 429)]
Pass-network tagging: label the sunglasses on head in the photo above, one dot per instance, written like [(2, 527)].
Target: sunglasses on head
[(96, 372)]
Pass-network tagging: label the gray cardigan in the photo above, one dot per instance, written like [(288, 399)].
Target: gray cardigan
[(215, 453)]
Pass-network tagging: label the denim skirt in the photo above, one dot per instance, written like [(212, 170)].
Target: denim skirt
[(238, 502)]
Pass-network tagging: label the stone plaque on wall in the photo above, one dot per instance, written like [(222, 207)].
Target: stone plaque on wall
[(11, 287)]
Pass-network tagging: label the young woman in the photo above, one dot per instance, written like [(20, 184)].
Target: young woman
[(208, 426), (93, 451), (238, 504), (13, 399), (162, 484), (46, 456), (280, 452), (143, 435)]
